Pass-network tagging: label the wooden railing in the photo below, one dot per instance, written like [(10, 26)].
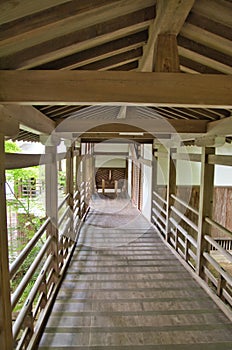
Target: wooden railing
[(41, 274), (159, 212), (181, 233), (182, 230)]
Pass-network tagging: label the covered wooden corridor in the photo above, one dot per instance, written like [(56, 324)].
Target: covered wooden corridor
[(133, 97), (124, 289)]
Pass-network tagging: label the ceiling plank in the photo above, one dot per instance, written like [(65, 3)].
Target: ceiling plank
[(217, 10), (194, 56), (27, 26), (99, 52), (114, 60), (207, 38), (30, 117), (171, 15), (136, 88), (11, 10), (78, 41), (74, 19)]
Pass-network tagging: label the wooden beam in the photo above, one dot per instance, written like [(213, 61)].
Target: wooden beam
[(218, 10), (19, 160), (171, 15), (11, 10), (114, 88), (114, 60), (206, 38), (99, 52), (76, 41), (209, 62), (30, 117), (132, 125), (220, 127), (5, 304), (8, 125)]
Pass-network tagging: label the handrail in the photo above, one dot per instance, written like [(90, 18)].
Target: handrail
[(160, 217), (217, 267), (183, 217), (159, 197), (63, 216), (218, 226), (218, 247), (27, 249), (22, 285), (184, 233), (159, 207), (185, 204), (27, 305), (63, 201)]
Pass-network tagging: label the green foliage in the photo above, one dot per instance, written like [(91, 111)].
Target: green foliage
[(19, 174)]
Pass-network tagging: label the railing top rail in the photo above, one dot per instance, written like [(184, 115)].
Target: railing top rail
[(63, 201), (27, 249), (218, 226), (185, 204), (183, 217), (219, 248), (160, 198)]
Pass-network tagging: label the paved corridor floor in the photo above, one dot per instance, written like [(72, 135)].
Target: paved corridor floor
[(124, 290)]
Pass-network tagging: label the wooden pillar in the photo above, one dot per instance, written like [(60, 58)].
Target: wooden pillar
[(154, 171), (69, 176), (6, 339), (205, 205), (52, 204), (166, 58), (171, 187)]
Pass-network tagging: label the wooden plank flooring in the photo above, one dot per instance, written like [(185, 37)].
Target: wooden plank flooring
[(124, 289)]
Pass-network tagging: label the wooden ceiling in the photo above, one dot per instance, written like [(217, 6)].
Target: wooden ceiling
[(119, 35)]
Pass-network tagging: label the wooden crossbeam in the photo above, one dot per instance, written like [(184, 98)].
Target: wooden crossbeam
[(30, 117), (221, 127), (152, 126), (115, 88)]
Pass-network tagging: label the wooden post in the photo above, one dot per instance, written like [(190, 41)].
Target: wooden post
[(52, 205), (103, 186), (171, 187), (6, 339), (153, 178), (166, 54), (69, 176), (205, 205)]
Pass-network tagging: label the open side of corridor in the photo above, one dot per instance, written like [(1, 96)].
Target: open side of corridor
[(125, 289)]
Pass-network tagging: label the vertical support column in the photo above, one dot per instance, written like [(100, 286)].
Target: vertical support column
[(166, 58), (153, 178), (69, 176), (6, 339), (205, 205), (171, 187), (52, 204)]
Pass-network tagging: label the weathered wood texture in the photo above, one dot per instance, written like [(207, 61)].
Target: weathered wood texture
[(6, 339), (125, 289), (134, 88)]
